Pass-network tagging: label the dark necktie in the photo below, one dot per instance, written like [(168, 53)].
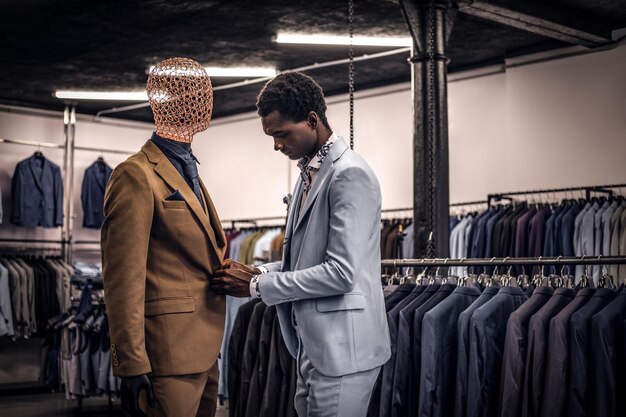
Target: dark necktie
[(191, 172)]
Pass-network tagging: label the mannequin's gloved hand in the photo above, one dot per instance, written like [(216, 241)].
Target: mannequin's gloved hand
[(233, 279), (130, 389)]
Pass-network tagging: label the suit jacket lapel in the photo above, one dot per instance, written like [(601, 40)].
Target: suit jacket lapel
[(32, 170), (215, 225), (101, 175), (292, 217), (335, 152), (164, 168)]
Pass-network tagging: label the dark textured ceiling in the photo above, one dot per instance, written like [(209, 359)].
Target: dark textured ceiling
[(47, 45)]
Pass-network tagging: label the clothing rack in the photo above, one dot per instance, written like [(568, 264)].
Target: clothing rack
[(607, 189), (69, 147), (32, 143), (254, 221), (460, 204), (541, 261)]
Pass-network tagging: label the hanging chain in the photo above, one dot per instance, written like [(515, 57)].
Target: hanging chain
[(431, 248), (351, 70)]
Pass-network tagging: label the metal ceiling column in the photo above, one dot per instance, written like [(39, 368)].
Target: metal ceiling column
[(430, 24), (69, 128)]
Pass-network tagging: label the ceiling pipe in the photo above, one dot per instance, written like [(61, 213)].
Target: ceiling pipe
[(317, 65)]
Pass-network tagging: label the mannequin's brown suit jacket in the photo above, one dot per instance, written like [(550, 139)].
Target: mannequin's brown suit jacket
[(157, 255)]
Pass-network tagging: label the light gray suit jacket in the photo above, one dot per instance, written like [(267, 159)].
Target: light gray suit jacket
[(329, 278)]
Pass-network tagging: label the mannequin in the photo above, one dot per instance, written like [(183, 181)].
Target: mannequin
[(161, 241)]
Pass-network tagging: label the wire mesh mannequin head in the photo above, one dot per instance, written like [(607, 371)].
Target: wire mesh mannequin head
[(181, 98)]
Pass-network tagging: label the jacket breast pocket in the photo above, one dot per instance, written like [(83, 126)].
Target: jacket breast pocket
[(175, 204), (351, 301), (170, 305)]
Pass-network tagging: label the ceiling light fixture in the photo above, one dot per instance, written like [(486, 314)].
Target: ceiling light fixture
[(103, 95), (235, 72), (297, 38)]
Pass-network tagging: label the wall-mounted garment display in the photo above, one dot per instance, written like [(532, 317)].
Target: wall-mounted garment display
[(37, 193), (78, 347), (572, 228), (92, 193), (508, 351), (38, 289)]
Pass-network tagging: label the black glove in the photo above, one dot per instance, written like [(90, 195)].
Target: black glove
[(130, 389)]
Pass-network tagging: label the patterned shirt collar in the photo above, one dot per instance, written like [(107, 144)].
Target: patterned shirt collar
[(309, 167)]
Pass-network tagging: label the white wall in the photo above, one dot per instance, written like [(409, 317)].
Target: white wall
[(550, 124)]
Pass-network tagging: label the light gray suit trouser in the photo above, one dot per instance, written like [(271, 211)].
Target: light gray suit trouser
[(318, 395)]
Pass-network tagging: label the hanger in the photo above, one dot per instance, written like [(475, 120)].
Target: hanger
[(38, 153)]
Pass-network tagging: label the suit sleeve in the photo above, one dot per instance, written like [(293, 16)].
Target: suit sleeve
[(58, 197), (125, 235), (17, 196), (84, 199), (274, 266), (354, 205)]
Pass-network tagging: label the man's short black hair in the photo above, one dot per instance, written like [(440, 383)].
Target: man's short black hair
[(294, 95)]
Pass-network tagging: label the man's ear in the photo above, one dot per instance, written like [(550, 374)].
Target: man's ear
[(312, 120)]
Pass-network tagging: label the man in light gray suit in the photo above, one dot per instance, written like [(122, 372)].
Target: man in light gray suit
[(327, 287)]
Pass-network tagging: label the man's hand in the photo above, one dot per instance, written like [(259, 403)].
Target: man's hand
[(130, 389), (233, 279)]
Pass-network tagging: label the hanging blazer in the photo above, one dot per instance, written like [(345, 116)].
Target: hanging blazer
[(329, 278), (159, 247), (92, 195), (37, 196)]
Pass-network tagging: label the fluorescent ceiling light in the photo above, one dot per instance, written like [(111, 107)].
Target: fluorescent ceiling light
[(241, 72), (236, 72), (103, 95), (341, 40)]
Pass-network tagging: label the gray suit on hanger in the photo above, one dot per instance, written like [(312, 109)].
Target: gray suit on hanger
[(327, 287)]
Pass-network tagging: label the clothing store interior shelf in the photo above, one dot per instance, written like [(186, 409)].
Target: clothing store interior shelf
[(584, 260)]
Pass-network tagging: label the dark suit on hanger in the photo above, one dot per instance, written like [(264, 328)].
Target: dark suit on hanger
[(487, 334), (236, 349), (259, 375), (608, 360), (514, 357), (557, 373), (391, 301), (398, 295), (388, 369), (536, 356), (439, 353), (463, 348), (418, 318), (249, 358), (580, 351), (567, 232), (404, 364), (92, 194), (37, 194)]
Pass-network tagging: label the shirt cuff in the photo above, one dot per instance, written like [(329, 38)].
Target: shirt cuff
[(254, 287), (263, 269)]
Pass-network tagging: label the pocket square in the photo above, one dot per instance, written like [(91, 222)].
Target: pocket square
[(175, 196)]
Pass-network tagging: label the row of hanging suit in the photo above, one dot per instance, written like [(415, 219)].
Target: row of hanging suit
[(475, 351), (32, 290), (37, 193), (252, 246), (77, 351), (573, 228)]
